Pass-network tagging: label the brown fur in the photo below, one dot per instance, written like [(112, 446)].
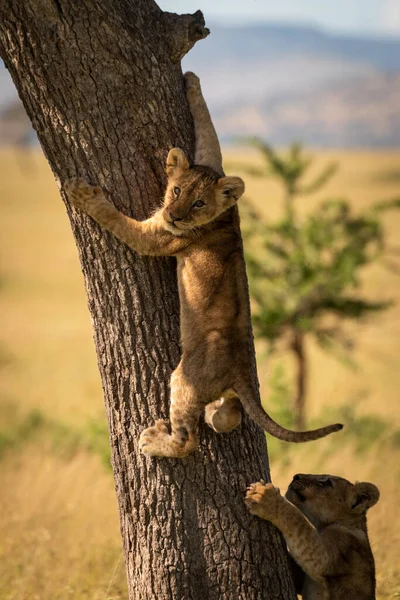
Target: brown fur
[(325, 526), (215, 368)]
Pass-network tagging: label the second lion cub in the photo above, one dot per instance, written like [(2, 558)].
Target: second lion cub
[(324, 523)]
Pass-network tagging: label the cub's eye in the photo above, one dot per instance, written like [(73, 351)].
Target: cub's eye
[(176, 191), (199, 204)]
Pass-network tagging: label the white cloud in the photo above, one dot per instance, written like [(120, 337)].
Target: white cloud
[(390, 20)]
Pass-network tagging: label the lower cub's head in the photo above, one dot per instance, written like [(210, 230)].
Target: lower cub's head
[(197, 195), (325, 499)]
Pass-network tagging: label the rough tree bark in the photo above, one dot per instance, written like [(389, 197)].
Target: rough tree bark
[(102, 84)]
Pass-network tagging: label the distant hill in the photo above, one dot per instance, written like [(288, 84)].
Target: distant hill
[(364, 112), (285, 82)]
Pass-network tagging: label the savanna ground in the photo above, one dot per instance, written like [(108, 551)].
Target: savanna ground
[(59, 533)]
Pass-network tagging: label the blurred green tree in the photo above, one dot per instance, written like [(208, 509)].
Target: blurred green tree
[(304, 270)]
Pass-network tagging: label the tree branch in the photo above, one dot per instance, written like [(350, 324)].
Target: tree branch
[(183, 31)]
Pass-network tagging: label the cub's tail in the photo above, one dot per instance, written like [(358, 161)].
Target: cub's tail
[(263, 420)]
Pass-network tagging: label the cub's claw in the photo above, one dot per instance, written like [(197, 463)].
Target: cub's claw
[(261, 499)]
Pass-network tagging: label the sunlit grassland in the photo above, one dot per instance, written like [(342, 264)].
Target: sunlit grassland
[(59, 535)]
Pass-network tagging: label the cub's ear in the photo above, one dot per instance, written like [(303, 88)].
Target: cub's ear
[(231, 188), (176, 159), (362, 496)]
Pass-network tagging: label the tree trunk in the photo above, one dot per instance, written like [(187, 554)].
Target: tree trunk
[(299, 405), (102, 84)]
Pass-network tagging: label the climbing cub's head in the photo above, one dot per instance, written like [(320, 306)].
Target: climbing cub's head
[(197, 195), (325, 499)]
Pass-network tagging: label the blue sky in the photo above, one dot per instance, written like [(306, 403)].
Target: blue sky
[(381, 17)]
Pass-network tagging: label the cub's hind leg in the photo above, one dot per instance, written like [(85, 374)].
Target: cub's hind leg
[(185, 412), (224, 414)]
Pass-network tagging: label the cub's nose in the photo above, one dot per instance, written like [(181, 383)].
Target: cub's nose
[(174, 218)]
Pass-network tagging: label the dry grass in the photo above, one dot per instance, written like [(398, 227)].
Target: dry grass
[(58, 529), (59, 534)]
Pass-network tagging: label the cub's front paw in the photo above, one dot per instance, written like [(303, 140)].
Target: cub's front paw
[(81, 194), (262, 499), (192, 85), (191, 80)]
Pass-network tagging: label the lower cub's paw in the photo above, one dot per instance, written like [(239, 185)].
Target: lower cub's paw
[(81, 194), (262, 498)]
